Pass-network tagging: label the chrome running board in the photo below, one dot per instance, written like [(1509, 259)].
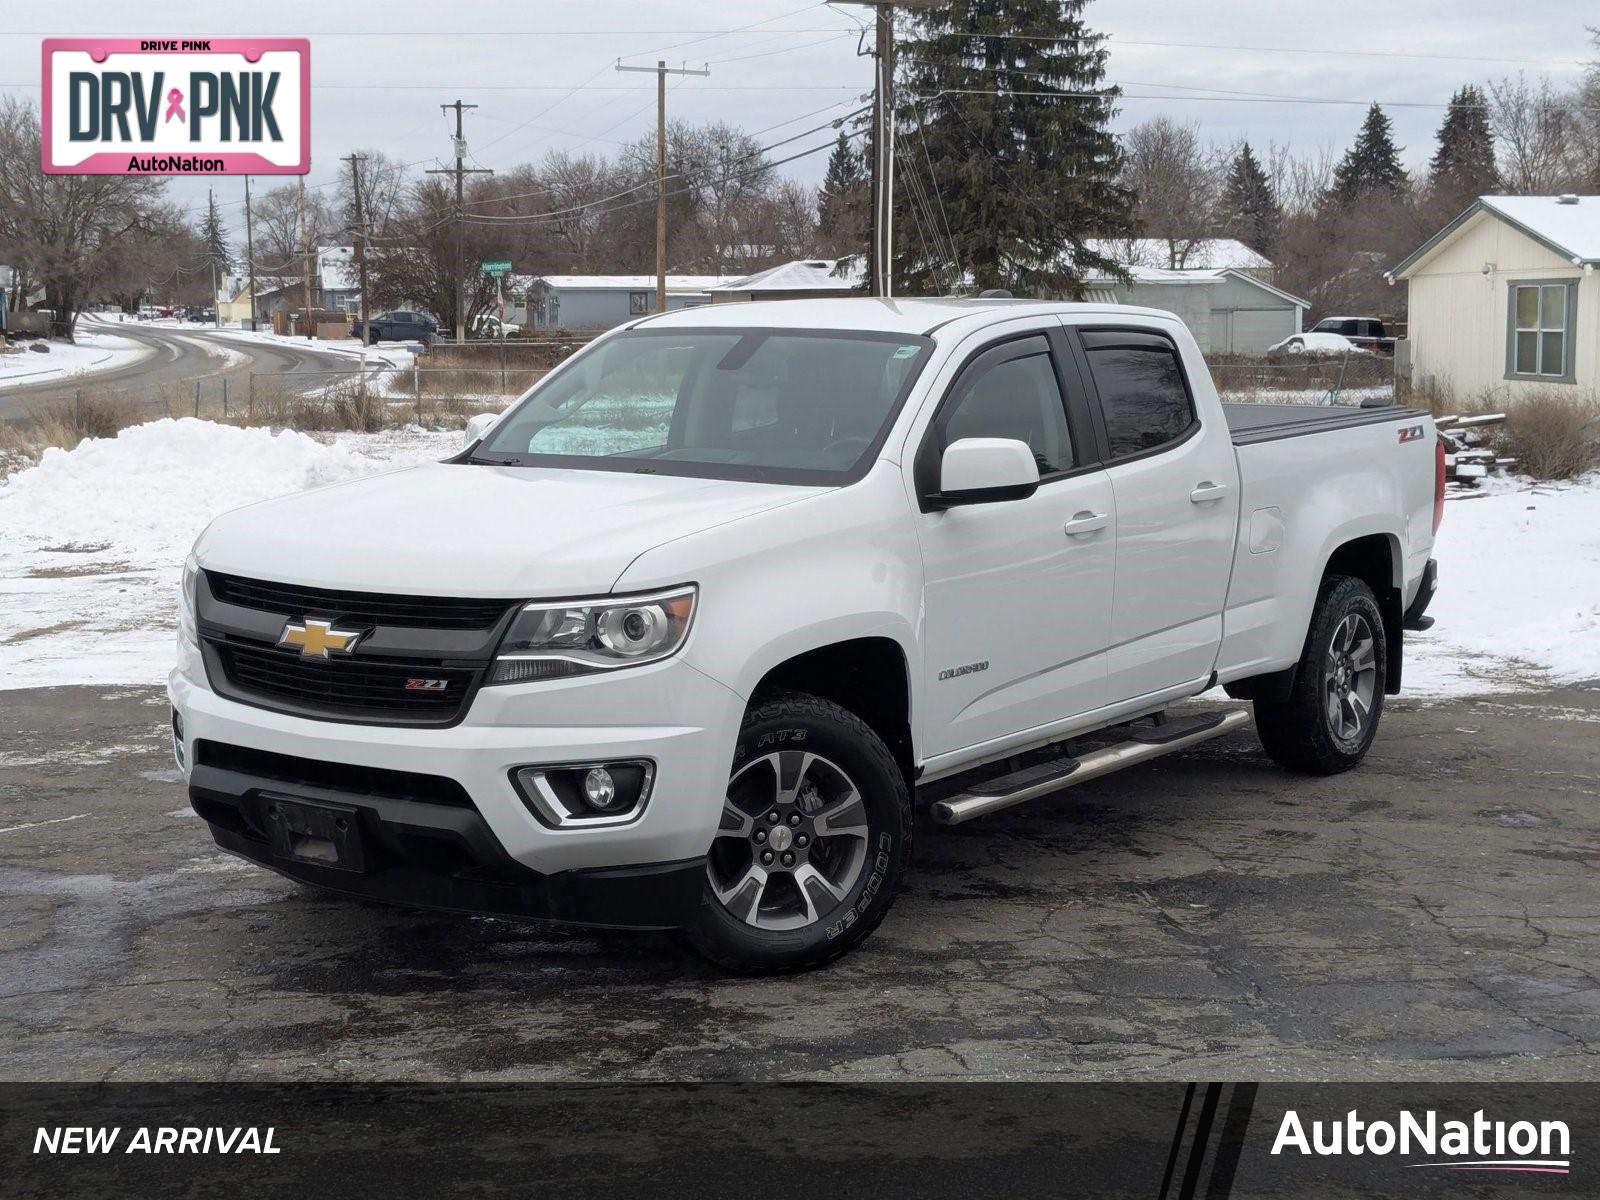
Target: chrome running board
[(1032, 782)]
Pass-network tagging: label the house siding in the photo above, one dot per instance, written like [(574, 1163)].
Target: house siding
[(1458, 313)]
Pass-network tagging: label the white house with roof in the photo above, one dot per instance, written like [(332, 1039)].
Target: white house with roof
[(596, 301), (1506, 298)]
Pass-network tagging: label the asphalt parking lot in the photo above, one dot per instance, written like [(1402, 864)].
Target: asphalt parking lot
[(1432, 915)]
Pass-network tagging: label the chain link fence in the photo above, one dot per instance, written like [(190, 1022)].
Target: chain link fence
[(1350, 379)]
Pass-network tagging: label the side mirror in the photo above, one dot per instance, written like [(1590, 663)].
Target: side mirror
[(985, 470), (478, 428)]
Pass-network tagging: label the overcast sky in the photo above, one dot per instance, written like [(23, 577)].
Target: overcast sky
[(542, 73)]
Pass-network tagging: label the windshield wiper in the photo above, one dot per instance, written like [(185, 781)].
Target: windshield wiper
[(486, 460)]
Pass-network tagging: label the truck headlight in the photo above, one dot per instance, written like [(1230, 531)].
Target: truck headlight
[(188, 631), (554, 639)]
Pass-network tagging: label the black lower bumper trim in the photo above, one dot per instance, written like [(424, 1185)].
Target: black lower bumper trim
[(421, 855), (1414, 618)]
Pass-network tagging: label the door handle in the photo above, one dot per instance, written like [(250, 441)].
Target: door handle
[(1208, 491), (1084, 523)]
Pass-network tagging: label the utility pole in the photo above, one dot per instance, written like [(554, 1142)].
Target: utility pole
[(216, 308), (305, 238), (355, 161), (662, 71), (460, 172), (883, 125), (250, 251)]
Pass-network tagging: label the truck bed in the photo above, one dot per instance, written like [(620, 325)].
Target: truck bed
[(1250, 423)]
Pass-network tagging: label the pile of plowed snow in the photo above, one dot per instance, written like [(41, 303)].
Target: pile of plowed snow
[(92, 540)]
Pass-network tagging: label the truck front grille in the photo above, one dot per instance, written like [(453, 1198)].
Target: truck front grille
[(358, 608), (352, 687), (417, 660)]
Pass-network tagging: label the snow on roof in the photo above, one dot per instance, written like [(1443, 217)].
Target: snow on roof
[(621, 283), (802, 275), (1570, 222), (336, 268), (1568, 225), (1208, 253), (1192, 275)]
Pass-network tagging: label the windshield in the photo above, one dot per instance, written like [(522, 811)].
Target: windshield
[(780, 406)]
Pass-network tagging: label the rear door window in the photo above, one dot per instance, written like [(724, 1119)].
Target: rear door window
[(1144, 397)]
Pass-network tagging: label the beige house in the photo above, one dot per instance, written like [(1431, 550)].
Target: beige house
[(1506, 298)]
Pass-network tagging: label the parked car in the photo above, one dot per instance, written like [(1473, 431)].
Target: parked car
[(488, 325), (1367, 332), (676, 641), (1329, 344), (398, 326)]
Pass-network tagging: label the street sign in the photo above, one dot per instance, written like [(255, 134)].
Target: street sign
[(497, 268)]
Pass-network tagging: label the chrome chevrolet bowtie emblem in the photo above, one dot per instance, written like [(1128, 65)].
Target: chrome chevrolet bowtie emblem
[(316, 638)]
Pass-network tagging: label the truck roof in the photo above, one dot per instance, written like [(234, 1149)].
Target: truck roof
[(873, 314)]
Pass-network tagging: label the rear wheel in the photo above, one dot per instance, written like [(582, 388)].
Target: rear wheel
[(1330, 716), (814, 839)]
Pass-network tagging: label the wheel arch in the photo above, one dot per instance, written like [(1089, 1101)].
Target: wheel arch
[(1377, 560), (869, 676)]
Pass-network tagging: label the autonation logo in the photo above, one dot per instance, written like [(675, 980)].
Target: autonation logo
[(1476, 1145)]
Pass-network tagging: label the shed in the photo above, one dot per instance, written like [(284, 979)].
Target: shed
[(1505, 298), (1229, 310)]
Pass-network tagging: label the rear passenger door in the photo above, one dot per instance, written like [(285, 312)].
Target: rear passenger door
[(1175, 485), (1017, 593)]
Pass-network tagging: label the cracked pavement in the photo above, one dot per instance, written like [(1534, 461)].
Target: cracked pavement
[(1430, 916)]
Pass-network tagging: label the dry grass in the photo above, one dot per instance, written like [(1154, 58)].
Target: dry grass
[(94, 413), (1554, 433)]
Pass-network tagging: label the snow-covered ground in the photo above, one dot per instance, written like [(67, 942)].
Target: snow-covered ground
[(92, 543), (95, 349)]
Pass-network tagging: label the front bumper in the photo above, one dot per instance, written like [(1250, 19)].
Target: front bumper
[(492, 854)]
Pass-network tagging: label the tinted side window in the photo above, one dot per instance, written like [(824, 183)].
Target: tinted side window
[(1016, 397), (1142, 395)]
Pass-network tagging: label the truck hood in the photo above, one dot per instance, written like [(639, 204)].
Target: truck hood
[(457, 530)]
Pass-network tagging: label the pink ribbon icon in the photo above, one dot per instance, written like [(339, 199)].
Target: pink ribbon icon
[(175, 105)]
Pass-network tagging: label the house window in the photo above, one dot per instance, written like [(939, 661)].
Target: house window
[(1540, 331), (640, 304)]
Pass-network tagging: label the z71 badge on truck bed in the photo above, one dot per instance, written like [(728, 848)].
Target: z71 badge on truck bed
[(675, 642)]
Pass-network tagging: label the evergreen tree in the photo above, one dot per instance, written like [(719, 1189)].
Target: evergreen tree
[(844, 201), (215, 236), (1250, 208), (1002, 182), (1371, 165), (1463, 165)]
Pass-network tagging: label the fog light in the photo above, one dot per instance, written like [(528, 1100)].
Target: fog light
[(599, 789), (177, 738), (610, 793)]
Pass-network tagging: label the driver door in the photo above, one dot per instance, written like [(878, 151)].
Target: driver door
[(1017, 593)]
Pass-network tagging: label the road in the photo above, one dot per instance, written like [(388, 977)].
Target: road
[(178, 357), (1432, 915)]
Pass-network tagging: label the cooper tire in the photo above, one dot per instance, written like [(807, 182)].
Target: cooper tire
[(1328, 720), (815, 792)]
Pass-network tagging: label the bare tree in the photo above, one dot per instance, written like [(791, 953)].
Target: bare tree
[(67, 230), (1536, 128), (1176, 181)]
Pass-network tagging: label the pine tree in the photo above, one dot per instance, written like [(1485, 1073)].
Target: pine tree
[(844, 201), (1001, 183), (1463, 166), (215, 236), (1371, 165), (1250, 207)]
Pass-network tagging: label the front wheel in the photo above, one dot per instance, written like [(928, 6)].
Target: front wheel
[(1328, 720), (814, 839)]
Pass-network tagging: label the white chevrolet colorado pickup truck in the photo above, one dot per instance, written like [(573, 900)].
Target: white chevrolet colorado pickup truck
[(675, 643)]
